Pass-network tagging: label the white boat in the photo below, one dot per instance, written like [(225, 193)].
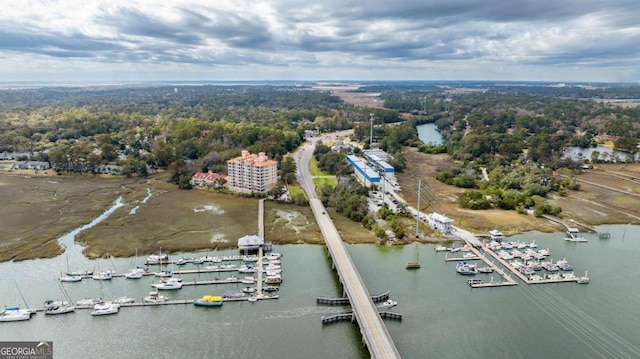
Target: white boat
[(157, 258), (270, 288), (583, 280), (154, 297), (248, 280), (124, 300), (485, 269), (14, 314), (535, 278), (105, 309), (252, 298), (69, 278), (181, 262), (58, 307), (88, 302), (573, 235), (466, 269), (440, 248), (250, 258), (247, 269), (169, 284), (231, 279), (134, 274), (273, 255), (163, 274), (103, 275), (249, 290), (389, 303)]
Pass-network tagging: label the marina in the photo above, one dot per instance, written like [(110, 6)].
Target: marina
[(431, 300), (526, 273)]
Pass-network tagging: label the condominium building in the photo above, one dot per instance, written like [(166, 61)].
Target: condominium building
[(252, 173)]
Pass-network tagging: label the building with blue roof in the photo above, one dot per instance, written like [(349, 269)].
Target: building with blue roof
[(364, 172)]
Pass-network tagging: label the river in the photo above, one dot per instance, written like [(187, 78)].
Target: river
[(443, 316)]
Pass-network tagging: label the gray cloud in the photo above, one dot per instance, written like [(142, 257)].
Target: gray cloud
[(350, 33)]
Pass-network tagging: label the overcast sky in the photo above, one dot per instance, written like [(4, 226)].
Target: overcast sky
[(546, 40)]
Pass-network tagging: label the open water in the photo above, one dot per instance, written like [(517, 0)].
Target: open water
[(443, 316)]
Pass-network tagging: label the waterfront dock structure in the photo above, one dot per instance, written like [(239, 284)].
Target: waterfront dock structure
[(374, 333), (507, 280), (524, 278)]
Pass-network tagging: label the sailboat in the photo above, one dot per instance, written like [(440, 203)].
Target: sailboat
[(135, 273), (59, 306), (13, 314), (414, 264), (68, 276)]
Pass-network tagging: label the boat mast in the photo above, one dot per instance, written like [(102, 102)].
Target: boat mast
[(418, 210)]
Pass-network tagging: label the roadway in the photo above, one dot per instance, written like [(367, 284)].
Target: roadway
[(374, 332)]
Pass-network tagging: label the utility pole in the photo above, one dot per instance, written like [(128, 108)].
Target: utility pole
[(418, 210)]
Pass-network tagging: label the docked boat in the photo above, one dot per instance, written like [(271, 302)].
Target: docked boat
[(273, 279), (583, 280), (466, 269), (105, 309), (250, 258), (163, 274), (248, 280), (232, 279), (181, 262), (208, 301), (535, 278), (270, 288), (252, 299), (134, 274), (68, 278), (473, 281), (440, 248), (233, 295), (157, 258), (526, 270), (412, 265), (247, 269), (564, 265), (573, 235), (15, 314), (273, 255), (80, 273), (248, 290), (52, 307), (169, 284), (124, 300), (485, 269), (88, 302), (103, 275), (389, 303), (155, 297)]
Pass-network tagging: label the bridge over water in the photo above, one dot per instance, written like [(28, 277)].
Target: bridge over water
[(374, 333)]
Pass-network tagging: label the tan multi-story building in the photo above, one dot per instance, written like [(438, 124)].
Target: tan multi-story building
[(252, 173)]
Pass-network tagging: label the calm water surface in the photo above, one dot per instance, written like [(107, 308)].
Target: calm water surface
[(443, 316), (428, 133)]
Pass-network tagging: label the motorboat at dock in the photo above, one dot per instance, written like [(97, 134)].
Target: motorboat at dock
[(105, 309), (155, 297), (14, 314), (466, 269), (208, 301), (58, 307)]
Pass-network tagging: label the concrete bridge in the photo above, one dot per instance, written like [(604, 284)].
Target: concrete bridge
[(374, 333)]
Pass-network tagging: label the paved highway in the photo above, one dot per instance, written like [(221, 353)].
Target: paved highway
[(374, 332)]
